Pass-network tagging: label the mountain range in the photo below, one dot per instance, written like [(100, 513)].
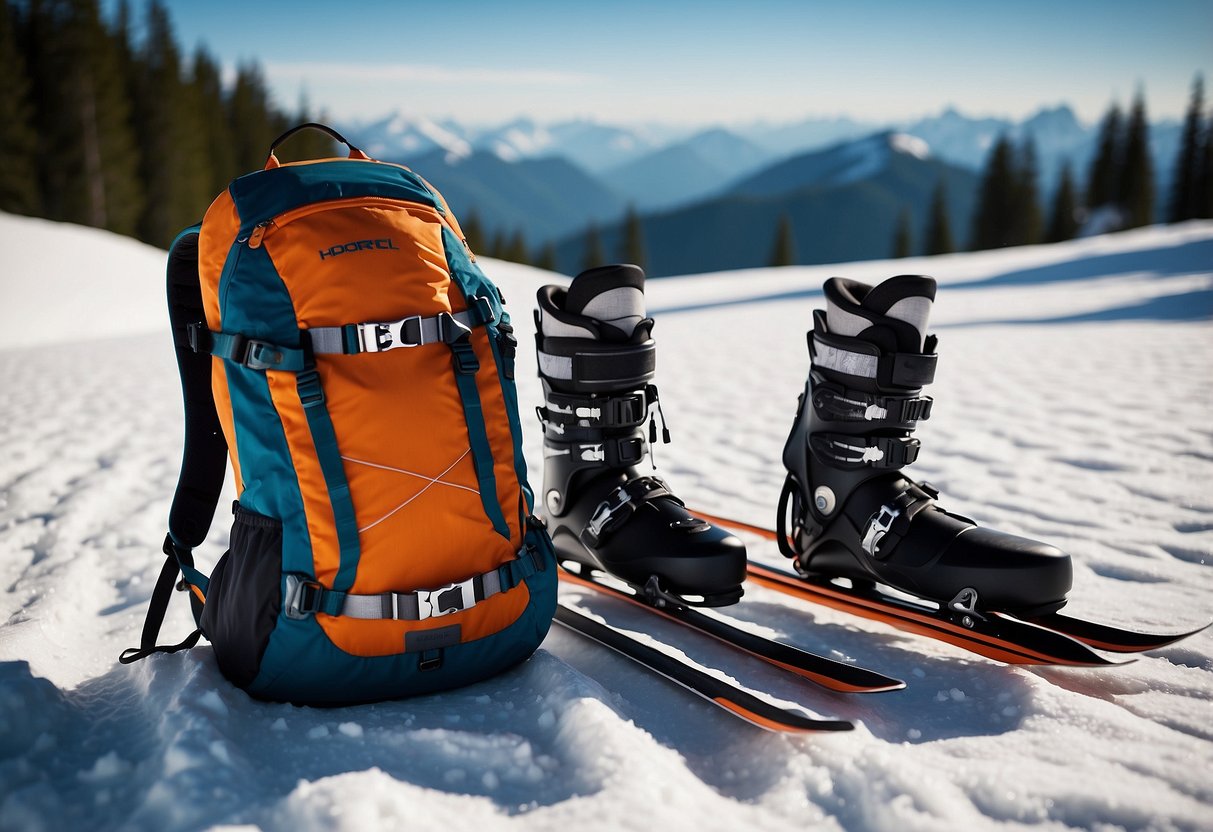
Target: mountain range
[(550, 182)]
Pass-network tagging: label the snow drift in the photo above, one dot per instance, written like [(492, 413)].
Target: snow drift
[(1073, 405)]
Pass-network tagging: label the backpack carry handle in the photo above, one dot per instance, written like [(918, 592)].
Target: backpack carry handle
[(272, 161)]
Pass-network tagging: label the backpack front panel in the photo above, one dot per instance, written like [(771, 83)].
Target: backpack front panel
[(420, 522)]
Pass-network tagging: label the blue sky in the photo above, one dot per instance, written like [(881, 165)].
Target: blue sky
[(709, 62)]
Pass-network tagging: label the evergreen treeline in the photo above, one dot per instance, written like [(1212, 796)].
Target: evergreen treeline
[(103, 129), (1120, 186)]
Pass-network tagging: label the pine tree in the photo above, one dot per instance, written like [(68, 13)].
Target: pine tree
[(1187, 161), (217, 142), (1063, 220), (498, 246), (515, 250), (994, 219), (1028, 224), (593, 255), (783, 251), (1204, 176), (473, 231), (91, 176), (1105, 174), (546, 259), (1137, 177), (18, 142), (174, 167), (633, 240), (307, 144), (253, 123), (939, 228), (901, 236)]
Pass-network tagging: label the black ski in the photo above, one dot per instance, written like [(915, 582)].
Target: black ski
[(1055, 638), (730, 696), (1109, 637), (822, 670)]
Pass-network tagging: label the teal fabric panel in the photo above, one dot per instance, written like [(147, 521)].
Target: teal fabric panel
[(325, 439), (473, 283), (271, 486), (301, 665), (264, 194), (463, 361), (255, 302)]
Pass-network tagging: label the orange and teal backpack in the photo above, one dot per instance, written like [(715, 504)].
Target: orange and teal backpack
[(337, 340)]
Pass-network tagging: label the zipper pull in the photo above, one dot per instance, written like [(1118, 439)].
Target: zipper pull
[(254, 240)]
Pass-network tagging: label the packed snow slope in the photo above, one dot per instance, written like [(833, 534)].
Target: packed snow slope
[(1073, 404)]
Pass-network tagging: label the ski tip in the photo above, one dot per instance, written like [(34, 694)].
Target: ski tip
[(786, 722), (1112, 638), (1137, 642), (847, 678)]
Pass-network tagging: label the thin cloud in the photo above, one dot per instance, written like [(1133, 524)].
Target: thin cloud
[(429, 74)]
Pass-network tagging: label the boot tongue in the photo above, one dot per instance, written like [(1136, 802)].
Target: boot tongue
[(611, 295), (902, 303)]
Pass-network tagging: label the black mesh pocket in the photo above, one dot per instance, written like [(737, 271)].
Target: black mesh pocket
[(244, 596)]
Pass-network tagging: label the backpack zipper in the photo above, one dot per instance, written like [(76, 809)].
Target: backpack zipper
[(261, 229)]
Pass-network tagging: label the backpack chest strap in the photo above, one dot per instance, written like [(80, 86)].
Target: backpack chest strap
[(349, 339), (413, 331)]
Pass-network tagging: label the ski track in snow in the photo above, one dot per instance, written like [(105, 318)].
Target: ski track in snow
[(1073, 404)]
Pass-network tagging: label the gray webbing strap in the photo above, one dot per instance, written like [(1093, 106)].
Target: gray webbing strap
[(380, 336), (305, 597), (418, 606), (839, 360)]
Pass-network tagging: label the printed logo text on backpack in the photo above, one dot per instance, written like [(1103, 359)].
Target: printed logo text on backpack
[(359, 245), (382, 544)]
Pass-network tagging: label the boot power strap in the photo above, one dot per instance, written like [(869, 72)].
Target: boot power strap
[(848, 452), (854, 357), (591, 366), (833, 402)]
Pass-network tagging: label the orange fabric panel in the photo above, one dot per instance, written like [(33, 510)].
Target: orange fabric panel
[(219, 228), (317, 508), (361, 637), (223, 407), (421, 520)]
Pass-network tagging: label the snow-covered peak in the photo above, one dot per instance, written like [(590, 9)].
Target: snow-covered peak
[(401, 136), (519, 139), (910, 145), (867, 157)]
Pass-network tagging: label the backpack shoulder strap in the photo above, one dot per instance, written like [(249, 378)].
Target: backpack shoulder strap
[(204, 463)]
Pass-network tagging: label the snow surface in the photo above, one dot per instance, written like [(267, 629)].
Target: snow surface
[(1073, 404)]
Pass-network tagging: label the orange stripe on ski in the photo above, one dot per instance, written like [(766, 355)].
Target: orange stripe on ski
[(827, 682), (905, 619), (761, 721)]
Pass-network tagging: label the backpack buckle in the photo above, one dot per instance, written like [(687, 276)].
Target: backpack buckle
[(456, 597), (261, 355), (303, 597), (390, 335)]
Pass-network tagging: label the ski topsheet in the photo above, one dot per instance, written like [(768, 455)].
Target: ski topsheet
[(1047, 639), (725, 694), (822, 670)]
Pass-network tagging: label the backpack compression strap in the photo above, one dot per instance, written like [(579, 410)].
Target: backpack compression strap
[(204, 463)]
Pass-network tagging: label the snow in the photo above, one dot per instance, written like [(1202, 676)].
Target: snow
[(867, 157), (911, 145), (1072, 404)]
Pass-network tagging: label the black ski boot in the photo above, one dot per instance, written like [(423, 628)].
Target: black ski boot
[(853, 513), (597, 360)]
